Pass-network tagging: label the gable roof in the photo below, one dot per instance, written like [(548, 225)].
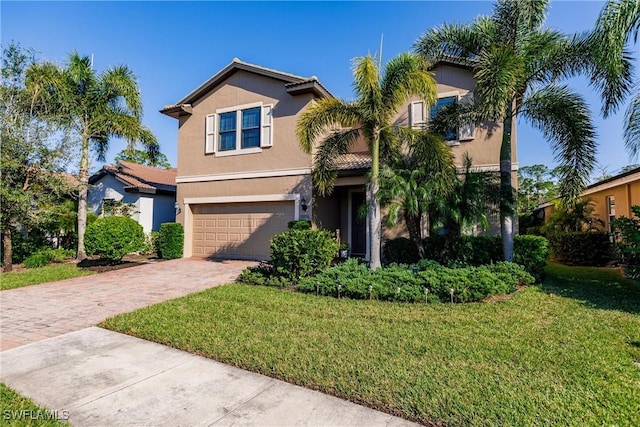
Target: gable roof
[(295, 85), (140, 178)]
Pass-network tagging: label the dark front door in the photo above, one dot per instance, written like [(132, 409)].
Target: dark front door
[(358, 224)]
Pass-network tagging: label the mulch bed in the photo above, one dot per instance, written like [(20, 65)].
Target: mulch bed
[(101, 266)]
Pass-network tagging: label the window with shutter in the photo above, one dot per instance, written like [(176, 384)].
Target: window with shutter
[(417, 114), (242, 129)]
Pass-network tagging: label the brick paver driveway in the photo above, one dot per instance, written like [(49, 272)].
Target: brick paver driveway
[(34, 313)]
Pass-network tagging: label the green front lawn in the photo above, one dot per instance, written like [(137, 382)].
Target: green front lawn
[(19, 411), (558, 354), (35, 276)]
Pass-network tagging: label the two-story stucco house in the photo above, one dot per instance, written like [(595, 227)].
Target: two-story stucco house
[(242, 175)]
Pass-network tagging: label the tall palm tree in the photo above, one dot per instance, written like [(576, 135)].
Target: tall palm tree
[(92, 108), (411, 184), (516, 64), (331, 126), (611, 69)]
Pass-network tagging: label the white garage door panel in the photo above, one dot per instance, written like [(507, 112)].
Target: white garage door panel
[(238, 230)]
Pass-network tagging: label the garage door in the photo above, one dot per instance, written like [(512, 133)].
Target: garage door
[(238, 230)]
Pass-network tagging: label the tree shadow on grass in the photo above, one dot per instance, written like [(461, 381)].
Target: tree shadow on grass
[(601, 288)]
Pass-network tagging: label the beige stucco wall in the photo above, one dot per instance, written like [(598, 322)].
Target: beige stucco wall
[(239, 89)]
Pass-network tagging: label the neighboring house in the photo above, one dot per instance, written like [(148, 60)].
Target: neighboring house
[(611, 198), (151, 191), (242, 175)]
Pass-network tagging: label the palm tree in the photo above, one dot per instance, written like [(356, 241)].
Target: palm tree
[(611, 68), (411, 184), (329, 127), (91, 108), (516, 64)]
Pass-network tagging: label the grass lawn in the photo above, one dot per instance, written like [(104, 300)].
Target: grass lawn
[(35, 276), (561, 353), (17, 410)]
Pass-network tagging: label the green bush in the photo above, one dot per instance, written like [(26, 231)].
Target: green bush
[(39, 259), (400, 250), (263, 275), (170, 240), (627, 241), (300, 253), (591, 248), (47, 256), (529, 251), (352, 279), (299, 225), (24, 245), (113, 237)]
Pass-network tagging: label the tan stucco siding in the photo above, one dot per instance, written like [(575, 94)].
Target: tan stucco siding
[(300, 184), (243, 88), (625, 197)]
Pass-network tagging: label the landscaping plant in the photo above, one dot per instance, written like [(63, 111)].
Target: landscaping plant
[(113, 237), (299, 253), (170, 240), (627, 241)]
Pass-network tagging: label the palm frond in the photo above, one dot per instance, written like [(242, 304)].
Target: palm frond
[(120, 82), (324, 163), (514, 18), (324, 116), (612, 69), (453, 40), (632, 124), (366, 84), (406, 76), (500, 78), (564, 118)]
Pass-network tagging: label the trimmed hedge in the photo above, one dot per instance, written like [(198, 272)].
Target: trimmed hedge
[(300, 253), (593, 248), (299, 225), (113, 237), (431, 281), (170, 240), (529, 251)]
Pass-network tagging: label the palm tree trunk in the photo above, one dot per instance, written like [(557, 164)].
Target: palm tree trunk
[(375, 221), (7, 249), (506, 187), (82, 197), (414, 226)]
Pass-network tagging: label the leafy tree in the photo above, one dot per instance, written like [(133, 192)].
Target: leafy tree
[(91, 108), (331, 126), (142, 157), (611, 66), (30, 158), (629, 168), (516, 64), (410, 184), (536, 184)]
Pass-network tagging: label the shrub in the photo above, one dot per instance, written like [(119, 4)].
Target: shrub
[(47, 256), (170, 240), (529, 251), (581, 248), (113, 237), (300, 253), (400, 250), (299, 225), (151, 243), (399, 282), (262, 275), (24, 245), (39, 259), (627, 242)]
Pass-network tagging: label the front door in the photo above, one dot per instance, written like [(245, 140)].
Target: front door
[(358, 224)]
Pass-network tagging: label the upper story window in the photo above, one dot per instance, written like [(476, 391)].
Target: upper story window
[(242, 129), (418, 116), (451, 134)]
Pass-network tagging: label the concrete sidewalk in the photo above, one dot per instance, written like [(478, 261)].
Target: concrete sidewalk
[(104, 378)]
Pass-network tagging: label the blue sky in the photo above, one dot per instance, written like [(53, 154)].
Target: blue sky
[(173, 47)]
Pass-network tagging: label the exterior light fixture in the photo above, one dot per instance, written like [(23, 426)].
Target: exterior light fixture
[(303, 204)]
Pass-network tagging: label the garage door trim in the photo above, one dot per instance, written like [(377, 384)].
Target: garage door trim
[(188, 214)]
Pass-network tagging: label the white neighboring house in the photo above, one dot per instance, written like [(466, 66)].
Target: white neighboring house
[(152, 191)]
